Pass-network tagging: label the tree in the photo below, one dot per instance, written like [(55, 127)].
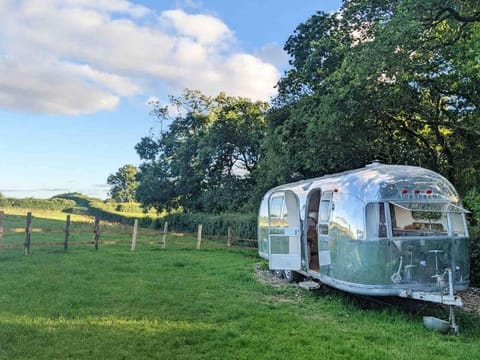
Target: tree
[(389, 80), (124, 184), (206, 159)]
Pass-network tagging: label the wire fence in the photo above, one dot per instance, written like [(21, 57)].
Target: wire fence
[(28, 231)]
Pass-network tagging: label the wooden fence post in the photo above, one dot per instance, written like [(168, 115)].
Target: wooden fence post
[(229, 237), (164, 239), (2, 215), (134, 235), (199, 236), (96, 232), (28, 231), (67, 233)]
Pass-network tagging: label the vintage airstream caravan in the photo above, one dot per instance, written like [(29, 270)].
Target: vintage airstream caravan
[(382, 230)]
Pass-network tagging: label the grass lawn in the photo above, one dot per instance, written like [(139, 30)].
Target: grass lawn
[(188, 304), (182, 303)]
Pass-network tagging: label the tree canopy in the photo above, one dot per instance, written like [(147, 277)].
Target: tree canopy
[(124, 184), (390, 80), (206, 159)]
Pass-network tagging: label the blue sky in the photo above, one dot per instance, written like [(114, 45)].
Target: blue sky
[(76, 76)]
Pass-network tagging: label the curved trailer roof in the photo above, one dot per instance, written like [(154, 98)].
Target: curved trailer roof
[(380, 182)]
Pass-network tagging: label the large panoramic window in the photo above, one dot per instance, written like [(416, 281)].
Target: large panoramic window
[(427, 219), (409, 219), (418, 219)]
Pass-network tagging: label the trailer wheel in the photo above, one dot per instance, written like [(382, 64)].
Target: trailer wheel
[(278, 273), (291, 276)]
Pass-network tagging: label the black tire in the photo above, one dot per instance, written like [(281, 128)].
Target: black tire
[(278, 273), (291, 276)]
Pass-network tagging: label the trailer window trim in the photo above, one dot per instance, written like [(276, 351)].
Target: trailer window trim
[(420, 206)]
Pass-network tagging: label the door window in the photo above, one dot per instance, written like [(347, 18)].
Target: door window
[(324, 211)]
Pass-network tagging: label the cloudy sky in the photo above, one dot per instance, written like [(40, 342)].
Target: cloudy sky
[(76, 76)]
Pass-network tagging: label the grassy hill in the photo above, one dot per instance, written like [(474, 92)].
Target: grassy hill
[(79, 204)]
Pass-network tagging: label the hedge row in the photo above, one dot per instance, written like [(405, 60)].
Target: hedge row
[(40, 204), (475, 256), (243, 226), (96, 208)]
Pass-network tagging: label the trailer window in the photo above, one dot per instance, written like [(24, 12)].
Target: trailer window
[(376, 221), (263, 227), (276, 205), (278, 211), (457, 221), (418, 219), (324, 216)]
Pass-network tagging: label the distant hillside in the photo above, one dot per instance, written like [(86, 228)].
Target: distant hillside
[(54, 203), (77, 203), (109, 210)]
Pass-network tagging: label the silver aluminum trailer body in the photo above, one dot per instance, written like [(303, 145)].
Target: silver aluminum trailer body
[(383, 230)]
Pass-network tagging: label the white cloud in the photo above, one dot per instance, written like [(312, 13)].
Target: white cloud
[(77, 56), (203, 28), (273, 53), (49, 89)]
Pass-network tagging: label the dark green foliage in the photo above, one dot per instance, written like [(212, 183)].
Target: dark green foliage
[(242, 225), (388, 80), (207, 158), (124, 183), (472, 203), (475, 256)]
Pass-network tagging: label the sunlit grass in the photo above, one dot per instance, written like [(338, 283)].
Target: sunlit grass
[(61, 323), (48, 214)]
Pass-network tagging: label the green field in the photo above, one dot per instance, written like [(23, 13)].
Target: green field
[(183, 303)]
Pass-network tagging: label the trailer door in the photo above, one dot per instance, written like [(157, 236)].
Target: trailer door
[(284, 232)]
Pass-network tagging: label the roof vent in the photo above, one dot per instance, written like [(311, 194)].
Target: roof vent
[(374, 163)]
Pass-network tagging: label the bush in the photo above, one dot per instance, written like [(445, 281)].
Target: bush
[(243, 225), (105, 212), (475, 256)]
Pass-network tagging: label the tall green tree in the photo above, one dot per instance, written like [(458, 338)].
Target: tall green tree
[(123, 184), (391, 80), (206, 159)]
